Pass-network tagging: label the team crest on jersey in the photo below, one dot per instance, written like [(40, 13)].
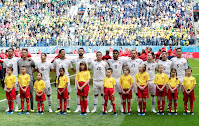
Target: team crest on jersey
[(136, 61), (119, 62), (152, 65), (11, 79), (64, 80), (27, 63)]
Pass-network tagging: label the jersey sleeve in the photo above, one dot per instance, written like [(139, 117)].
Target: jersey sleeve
[(194, 81), (91, 65), (28, 78), (5, 80), (136, 77), (131, 79), (104, 82), (183, 82), (66, 79), (186, 64), (147, 77), (51, 66), (43, 84), (88, 75), (57, 80), (77, 76), (155, 80), (114, 83), (121, 79), (14, 79)]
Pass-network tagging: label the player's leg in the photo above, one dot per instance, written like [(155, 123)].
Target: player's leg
[(31, 94), (48, 92), (85, 104), (42, 107), (38, 106), (118, 89), (152, 89), (175, 107), (129, 106), (82, 105), (77, 100), (65, 105), (17, 95), (163, 104), (95, 98), (159, 104), (114, 108), (144, 105), (68, 100), (136, 95)]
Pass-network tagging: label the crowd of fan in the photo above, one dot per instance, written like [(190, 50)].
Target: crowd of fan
[(143, 22)]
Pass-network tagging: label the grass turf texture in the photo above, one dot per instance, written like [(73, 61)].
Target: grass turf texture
[(94, 118)]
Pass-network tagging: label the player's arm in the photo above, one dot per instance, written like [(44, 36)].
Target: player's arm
[(27, 85), (146, 84), (113, 91), (122, 88), (65, 87), (88, 80), (33, 64)]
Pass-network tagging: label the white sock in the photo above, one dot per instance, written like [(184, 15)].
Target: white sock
[(68, 102), (88, 102), (49, 101), (58, 105), (137, 100), (103, 101), (95, 100), (17, 100), (153, 102), (121, 101), (78, 100), (167, 103)]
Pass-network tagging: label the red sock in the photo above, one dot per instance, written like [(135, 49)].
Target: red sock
[(12, 105), (114, 109), (42, 106), (82, 105), (60, 103), (159, 106), (22, 105), (38, 104), (140, 105), (105, 106), (185, 106), (9, 105), (163, 105), (175, 106), (170, 105), (124, 106), (65, 104), (129, 106), (191, 106), (28, 104), (144, 106), (85, 105)]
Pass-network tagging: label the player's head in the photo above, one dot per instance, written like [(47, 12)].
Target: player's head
[(62, 53), (9, 70), (43, 56), (188, 71), (17, 48), (39, 76), (173, 72), (109, 72), (10, 52), (115, 54), (24, 52), (23, 69), (120, 49), (142, 68), (179, 52), (126, 71), (61, 71), (160, 68), (81, 51), (164, 55), (99, 56), (133, 54), (107, 52), (149, 56), (83, 66)]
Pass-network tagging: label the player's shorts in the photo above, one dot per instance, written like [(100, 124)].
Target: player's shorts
[(31, 86), (191, 96), (97, 87), (180, 86), (162, 93), (144, 93), (47, 90), (108, 94), (152, 87), (171, 96), (16, 84), (134, 86), (127, 96), (85, 90), (40, 98), (117, 86), (25, 95), (69, 88), (64, 94), (11, 95)]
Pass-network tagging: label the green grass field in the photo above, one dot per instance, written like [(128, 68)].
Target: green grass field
[(95, 119)]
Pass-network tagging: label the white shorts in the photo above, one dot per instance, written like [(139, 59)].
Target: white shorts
[(97, 87), (69, 88), (48, 90), (180, 86), (134, 86), (152, 87), (16, 85), (117, 86)]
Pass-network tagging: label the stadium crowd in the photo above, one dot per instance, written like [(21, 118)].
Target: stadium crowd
[(145, 22)]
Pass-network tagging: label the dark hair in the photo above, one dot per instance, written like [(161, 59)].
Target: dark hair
[(178, 48), (85, 66), (25, 49), (23, 66), (60, 75), (99, 52), (171, 71), (163, 51), (81, 48), (115, 50), (189, 68), (44, 54), (11, 49), (110, 69), (126, 69), (144, 67), (61, 50), (10, 68), (107, 52), (40, 73)]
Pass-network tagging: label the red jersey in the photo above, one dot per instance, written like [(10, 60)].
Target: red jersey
[(121, 53), (3, 56), (163, 49), (106, 57), (57, 51), (169, 52), (143, 57), (110, 50), (95, 51), (75, 52), (158, 54)]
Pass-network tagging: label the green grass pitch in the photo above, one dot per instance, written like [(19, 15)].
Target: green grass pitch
[(94, 118)]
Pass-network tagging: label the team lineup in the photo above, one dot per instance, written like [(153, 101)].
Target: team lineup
[(113, 75)]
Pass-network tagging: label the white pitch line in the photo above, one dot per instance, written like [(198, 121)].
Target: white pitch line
[(50, 83)]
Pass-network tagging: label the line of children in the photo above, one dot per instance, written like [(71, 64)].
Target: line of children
[(126, 81)]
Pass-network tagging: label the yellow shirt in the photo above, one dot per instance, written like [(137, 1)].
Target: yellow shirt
[(9, 80), (24, 79), (82, 76), (39, 85), (126, 81), (142, 78), (173, 81), (109, 82), (62, 81), (160, 79), (189, 82)]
